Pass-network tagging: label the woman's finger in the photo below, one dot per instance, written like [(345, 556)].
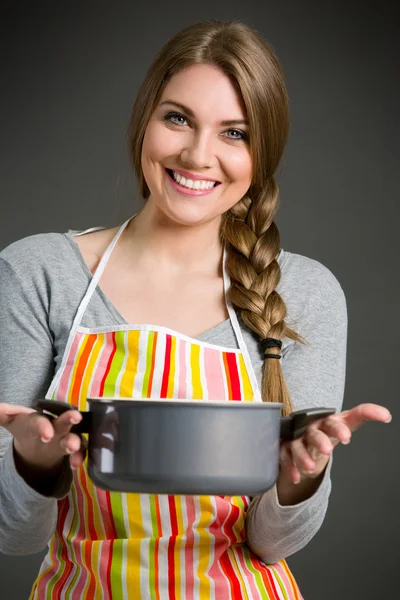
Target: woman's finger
[(336, 429), (70, 443), (287, 466), (318, 442), (62, 425), (301, 457), (77, 459), (30, 425), (362, 413), (8, 412)]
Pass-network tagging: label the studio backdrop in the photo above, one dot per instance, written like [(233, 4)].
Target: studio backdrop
[(69, 77)]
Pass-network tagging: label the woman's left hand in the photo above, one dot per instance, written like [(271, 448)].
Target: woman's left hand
[(308, 456)]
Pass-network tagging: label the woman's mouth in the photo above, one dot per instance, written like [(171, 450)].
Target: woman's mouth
[(189, 187)]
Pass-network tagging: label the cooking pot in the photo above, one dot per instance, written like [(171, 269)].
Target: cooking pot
[(195, 447)]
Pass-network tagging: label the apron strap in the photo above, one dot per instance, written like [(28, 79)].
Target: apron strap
[(95, 279), (239, 335), (89, 230)]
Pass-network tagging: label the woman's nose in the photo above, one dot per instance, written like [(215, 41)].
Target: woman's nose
[(199, 152)]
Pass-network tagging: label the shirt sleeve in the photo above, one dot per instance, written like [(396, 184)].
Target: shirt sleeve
[(27, 519), (315, 376)]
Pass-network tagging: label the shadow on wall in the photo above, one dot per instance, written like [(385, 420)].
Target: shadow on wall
[(18, 574)]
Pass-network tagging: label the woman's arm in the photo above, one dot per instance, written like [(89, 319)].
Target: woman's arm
[(27, 517), (315, 376)]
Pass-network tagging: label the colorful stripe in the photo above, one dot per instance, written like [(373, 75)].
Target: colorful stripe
[(110, 545)]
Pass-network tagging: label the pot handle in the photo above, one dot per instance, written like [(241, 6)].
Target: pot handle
[(293, 426), (52, 408)]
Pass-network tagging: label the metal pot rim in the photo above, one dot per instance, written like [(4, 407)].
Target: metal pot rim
[(184, 402)]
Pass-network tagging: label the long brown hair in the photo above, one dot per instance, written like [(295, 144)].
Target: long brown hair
[(248, 229)]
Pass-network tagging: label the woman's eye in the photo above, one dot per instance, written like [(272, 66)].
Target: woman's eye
[(242, 134), (172, 116)]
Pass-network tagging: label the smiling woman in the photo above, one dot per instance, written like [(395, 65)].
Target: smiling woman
[(198, 301)]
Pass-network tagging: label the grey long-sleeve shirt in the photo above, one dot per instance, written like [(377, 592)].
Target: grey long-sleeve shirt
[(42, 281)]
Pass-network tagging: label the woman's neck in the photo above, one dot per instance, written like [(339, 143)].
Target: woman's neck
[(157, 242)]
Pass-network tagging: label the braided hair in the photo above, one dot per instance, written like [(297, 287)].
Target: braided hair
[(253, 244)]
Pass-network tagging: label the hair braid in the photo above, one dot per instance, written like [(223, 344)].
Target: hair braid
[(253, 244)]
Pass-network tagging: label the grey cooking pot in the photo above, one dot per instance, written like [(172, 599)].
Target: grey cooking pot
[(185, 446)]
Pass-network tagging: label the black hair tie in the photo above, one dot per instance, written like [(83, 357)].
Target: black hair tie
[(270, 343)]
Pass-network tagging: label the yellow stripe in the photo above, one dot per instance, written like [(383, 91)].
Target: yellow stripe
[(97, 346), (136, 533), (236, 568), (172, 374), (179, 546), (128, 378), (76, 364), (95, 566), (248, 395), (204, 545), (195, 369)]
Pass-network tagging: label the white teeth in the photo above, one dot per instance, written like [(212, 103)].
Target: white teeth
[(198, 184)]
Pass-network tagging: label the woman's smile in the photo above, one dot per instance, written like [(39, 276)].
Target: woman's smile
[(189, 186)]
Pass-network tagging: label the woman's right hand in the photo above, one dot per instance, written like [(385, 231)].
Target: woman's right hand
[(40, 444)]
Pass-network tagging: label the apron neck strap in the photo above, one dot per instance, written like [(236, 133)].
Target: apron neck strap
[(96, 277)]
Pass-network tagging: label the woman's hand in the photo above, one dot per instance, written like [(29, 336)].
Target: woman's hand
[(307, 457), (41, 444)]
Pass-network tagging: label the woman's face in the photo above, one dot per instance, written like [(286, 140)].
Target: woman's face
[(186, 136)]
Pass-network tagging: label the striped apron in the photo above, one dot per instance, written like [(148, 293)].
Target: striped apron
[(110, 545)]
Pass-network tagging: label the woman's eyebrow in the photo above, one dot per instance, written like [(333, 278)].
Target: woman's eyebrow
[(190, 113)]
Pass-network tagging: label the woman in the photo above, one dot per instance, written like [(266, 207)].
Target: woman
[(208, 130)]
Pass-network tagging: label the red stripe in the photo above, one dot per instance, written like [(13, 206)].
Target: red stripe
[(271, 581), (114, 530), (114, 536), (106, 372), (89, 500), (63, 511), (167, 367), (266, 572), (87, 550), (262, 569), (230, 523), (108, 570), (171, 547), (229, 571), (80, 370), (233, 375)]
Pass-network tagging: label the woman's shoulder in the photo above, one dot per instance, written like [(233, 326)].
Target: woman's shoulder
[(34, 252), (304, 272), (50, 252), (308, 286)]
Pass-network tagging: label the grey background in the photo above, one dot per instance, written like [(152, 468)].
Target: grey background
[(69, 77)]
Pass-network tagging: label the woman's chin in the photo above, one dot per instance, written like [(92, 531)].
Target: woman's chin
[(189, 215)]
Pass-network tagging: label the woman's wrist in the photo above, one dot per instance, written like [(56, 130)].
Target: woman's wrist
[(43, 480), (290, 494)]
